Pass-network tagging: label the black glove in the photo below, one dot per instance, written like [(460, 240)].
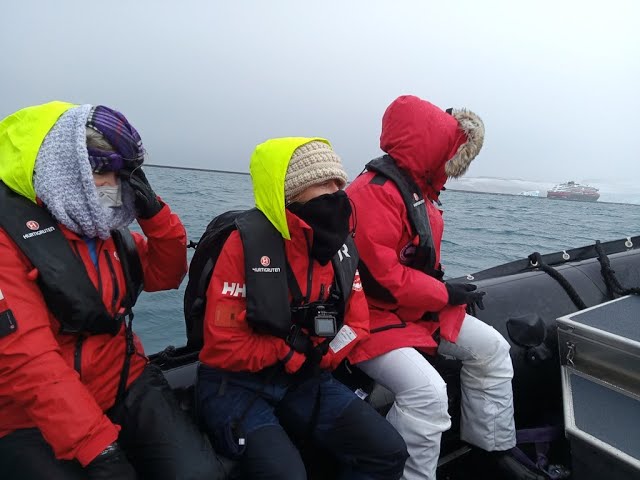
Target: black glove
[(316, 353), (299, 341), (111, 464), (464, 294), (147, 203)]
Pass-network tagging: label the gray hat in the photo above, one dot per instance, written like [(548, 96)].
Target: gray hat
[(312, 163)]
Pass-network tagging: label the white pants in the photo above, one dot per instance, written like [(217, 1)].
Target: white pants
[(419, 412)]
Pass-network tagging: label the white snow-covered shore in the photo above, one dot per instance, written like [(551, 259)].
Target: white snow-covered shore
[(627, 192)]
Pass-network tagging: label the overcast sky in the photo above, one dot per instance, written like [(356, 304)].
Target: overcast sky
[(556, 82)]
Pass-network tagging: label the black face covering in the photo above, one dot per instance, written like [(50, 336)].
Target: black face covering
[(328, 215)]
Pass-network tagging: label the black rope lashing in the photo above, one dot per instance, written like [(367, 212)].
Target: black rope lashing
[(192, 244), (536, 261), (609, 275), (605, 270), (169, 357)]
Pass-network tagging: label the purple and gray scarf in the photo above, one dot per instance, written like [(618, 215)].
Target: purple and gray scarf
[(63, 180), (117, 130)]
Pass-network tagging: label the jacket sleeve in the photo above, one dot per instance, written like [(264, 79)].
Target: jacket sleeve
[(229, 342), (164, 252), (356, 318), (379, 233), (33, 373)]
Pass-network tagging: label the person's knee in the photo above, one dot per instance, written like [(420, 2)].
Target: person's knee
[(504, 355), (377, 448), (498, 356), (26, 455), (270, 454), (426, 399), (501, 344), (202, 464), (489, 348), (393, 456)]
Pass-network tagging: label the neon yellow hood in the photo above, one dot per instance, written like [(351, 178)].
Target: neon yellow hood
[(269, 163), (21, 135)]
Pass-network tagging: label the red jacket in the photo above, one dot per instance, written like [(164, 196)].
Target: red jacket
[(231, 344), (38, 384), (421, 138)]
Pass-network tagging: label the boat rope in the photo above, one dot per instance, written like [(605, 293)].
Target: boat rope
[(169, 357), (536, 261), (192, 244), (614, 287)]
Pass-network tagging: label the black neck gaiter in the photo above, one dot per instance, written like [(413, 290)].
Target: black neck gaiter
[(328, 215)]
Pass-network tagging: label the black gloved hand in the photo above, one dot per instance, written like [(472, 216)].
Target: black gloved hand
[(147, 203), (299, 341), (316, 353), (111, 464), (464, 294)]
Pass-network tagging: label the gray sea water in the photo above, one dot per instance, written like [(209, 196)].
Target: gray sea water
[(481, 231)]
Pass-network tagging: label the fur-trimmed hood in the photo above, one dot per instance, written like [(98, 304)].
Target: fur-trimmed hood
[(429, 143)]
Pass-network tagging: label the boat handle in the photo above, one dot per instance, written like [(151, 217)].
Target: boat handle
[(628, 243), (571, 353)]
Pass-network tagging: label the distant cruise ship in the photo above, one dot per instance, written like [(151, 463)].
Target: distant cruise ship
[(574, 191)]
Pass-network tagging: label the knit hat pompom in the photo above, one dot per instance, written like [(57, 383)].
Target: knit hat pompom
[(312, 163)]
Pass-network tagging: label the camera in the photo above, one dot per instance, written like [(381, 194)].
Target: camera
[(321, 319), (324, 322)]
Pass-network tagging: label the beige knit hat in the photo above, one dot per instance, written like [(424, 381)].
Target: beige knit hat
[(312, 163)]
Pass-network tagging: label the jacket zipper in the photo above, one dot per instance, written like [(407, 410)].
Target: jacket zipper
[(390, 326), (97, 266), (307, 297), (114, 280), (77, 356), (98, 272), (384, 328)]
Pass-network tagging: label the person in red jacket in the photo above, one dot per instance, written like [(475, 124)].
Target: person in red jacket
[(265, 372), (413, 312), (78, 396)]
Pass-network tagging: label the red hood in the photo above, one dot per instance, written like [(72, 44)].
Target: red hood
[(428, 142)]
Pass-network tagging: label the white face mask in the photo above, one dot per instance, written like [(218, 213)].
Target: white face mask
[(109, 196)]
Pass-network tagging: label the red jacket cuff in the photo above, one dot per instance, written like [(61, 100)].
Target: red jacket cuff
[(97, 443), (326, 363), (295, 362), (157, 223)]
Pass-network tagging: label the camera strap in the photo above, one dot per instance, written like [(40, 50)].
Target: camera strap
[(297, 298)]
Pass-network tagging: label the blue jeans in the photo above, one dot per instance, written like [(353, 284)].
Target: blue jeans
[(254, 417)]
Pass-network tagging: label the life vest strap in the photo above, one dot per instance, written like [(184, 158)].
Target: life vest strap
[(62, 277), (416, 211)]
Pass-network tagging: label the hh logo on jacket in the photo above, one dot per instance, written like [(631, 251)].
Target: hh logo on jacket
[(234, 289)]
